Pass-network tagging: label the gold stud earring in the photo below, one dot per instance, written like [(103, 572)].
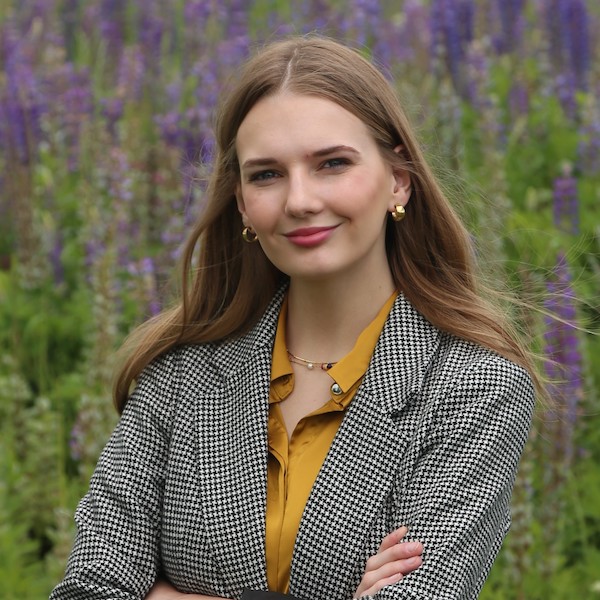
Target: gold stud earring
[(398, 213), (249, 235)]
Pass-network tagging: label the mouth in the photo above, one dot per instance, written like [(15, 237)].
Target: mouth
[(310, 236)]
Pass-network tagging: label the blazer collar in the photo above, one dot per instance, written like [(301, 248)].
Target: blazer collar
[(234, 352), (231, 425), (402, 356)]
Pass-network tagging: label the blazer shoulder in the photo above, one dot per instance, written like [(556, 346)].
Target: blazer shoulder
[(461, 364), (164, 381), (172, 377)]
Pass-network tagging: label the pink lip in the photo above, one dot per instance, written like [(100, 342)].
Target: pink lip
[(310, 236)]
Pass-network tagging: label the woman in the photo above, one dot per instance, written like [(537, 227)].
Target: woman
[(331, 377)]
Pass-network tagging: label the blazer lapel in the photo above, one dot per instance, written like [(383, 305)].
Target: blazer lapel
[(363, 460), (232, 433)]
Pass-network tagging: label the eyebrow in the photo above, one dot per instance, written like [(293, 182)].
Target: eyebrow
[(261, 162)]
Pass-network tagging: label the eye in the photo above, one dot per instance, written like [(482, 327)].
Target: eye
[(262, 176), (336, 163)]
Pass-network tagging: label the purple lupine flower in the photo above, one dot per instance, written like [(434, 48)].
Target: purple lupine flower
[(168, 123), (562, 348), (310, 15), (320, 15), (151, 34), (569, 34), (72, 93), (518, 99), (207, 90), (112, 23), (237, 22), (566, 202), (511, 19), (10, 40), (112, 111), (235, 46), (362, 21), (451, 33), (478, 68), (172, 237), (566, 91), (197, 12), (173, 93), (478, 92), (120, 191), (576, 40), (169, 127), (553, 13), (197, 134), (21, 108)]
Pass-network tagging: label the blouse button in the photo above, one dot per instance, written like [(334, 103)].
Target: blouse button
[(336, 390)]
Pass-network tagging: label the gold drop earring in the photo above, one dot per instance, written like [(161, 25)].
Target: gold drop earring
[(398, 213), (249, 235)]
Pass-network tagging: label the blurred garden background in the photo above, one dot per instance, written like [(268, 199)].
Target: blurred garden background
[(105, 138)]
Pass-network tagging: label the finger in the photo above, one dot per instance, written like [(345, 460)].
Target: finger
[(389, 569), (400, 551), (373, 581), (393, 538), (381, 584)]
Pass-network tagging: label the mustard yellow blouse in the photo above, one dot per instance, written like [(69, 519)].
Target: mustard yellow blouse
[(293, 465)]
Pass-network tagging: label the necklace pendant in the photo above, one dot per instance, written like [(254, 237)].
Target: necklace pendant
[(309, 364)]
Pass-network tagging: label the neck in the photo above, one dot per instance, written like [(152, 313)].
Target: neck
[(324, 319)]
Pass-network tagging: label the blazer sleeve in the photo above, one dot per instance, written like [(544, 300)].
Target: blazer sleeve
[(115, 554), (456, 499)]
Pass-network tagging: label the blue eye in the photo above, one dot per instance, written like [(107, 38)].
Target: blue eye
[(333, 163), (262, 176)]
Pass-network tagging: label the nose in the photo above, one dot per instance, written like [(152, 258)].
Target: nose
[(301, 198)]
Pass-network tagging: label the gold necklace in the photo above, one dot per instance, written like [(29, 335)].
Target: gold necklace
[(310, 364)]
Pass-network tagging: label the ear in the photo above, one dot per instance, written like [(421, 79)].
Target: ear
[(241, 205), (402, 184)]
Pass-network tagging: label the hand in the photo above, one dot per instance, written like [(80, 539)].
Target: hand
[(162, 590), (393, 560)]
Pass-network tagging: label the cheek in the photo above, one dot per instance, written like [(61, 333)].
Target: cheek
[(364, 198), (262, 215), (370, 184)]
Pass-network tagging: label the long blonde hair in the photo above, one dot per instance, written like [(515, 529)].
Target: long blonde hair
[(227, 287)]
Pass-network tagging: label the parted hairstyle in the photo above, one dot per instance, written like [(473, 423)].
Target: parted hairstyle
[(226, 284)]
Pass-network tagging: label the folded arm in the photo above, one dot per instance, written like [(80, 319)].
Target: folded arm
[(456, 500), (116, 553)]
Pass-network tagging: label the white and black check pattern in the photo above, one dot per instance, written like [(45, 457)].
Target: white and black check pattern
[(431, 440)]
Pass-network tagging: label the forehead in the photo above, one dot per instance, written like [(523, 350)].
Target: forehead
[(289, 122)]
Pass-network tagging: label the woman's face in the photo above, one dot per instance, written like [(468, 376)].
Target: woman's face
[(315, 188)]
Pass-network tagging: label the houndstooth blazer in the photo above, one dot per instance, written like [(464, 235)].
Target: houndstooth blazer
[(431, 440)]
